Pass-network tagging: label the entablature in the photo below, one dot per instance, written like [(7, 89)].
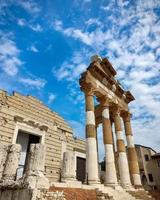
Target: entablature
[(100, 75)]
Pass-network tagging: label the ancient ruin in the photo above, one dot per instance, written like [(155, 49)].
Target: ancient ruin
[(99, 81), (41, 159)]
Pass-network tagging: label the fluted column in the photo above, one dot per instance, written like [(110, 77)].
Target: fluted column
[(122, 157), (110, 173), (91, 142), (132, 156)]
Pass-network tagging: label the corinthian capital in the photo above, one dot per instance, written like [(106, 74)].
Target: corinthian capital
[(116, 110), (104, 100), (88, 89), (126, 116)]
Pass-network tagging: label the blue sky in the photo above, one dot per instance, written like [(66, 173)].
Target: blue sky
[(45, 45)]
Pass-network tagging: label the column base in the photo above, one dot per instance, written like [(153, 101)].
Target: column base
[(138, 186), (39, 181), (127, 186), (136, 180), (93, 182), (73, 183), (113, 185), (66, 179)]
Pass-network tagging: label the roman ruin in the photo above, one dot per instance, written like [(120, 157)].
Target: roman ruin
[(113, 100), (41, 159)]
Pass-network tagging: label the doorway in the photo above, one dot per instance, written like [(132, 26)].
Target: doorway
[(24, 139), (81, 169)]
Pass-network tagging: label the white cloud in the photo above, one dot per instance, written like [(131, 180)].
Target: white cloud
[(131, 43), (93, 38), (33, 48), (71, 70), (158, 52), (30, 6), (9, 56), (51, 98), (34, 83), (36, 28), (94, 21), (78, 34), (21, 22)]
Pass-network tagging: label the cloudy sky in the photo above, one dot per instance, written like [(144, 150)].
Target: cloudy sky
[(45, 45)]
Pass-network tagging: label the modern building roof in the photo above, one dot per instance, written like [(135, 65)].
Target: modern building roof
[(138, 145)]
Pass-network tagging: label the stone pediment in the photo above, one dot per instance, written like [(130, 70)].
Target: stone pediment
[(104, 66)]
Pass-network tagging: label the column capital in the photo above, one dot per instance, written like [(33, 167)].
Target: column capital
[(104, 100), (126, 116), (115, 110), (88, 89)]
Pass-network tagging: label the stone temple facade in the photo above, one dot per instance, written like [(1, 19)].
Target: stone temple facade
[(37, 146), (113, 100), (40, 158)]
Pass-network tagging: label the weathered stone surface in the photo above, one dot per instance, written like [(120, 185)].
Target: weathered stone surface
[(16, 194), (3, 157), (68, 170), (11, 164), (36, 159), (57, 195), (6, 195), (29, 111), (34, 175)]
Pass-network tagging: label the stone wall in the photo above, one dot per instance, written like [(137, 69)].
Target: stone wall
[(15, 194), (18, 110)]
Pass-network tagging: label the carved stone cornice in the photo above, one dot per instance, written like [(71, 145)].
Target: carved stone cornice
[(101, 75), (31, 123)]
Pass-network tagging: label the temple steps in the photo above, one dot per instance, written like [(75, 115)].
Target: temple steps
[(75, 193), (118, 193), (155, 194), (141, 195)]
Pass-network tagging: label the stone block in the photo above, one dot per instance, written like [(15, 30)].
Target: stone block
[(34, 175), (37, 181), (6, 195), (12, 162), (68, 168), (36, 159), (3, 157), (25, 194)]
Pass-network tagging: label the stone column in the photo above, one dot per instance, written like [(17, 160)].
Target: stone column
[(34, 174), (110, 173), (68, 169), (3, 157), (132, 156), (122, 157), (36, 159), (12, 162), (91, 143)]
